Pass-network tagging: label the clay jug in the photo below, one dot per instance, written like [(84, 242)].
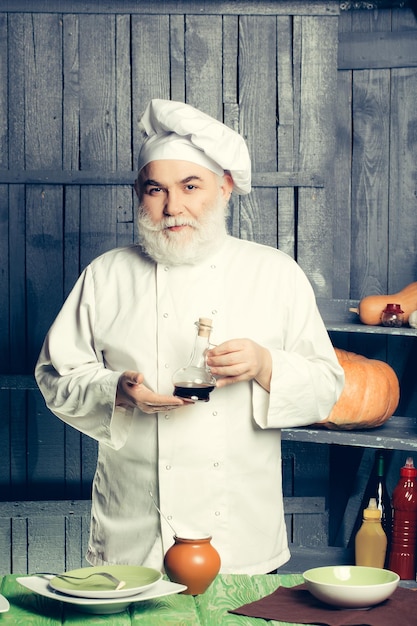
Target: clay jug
[(193, 562)]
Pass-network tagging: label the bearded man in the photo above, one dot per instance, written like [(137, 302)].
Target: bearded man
[(107, 363)]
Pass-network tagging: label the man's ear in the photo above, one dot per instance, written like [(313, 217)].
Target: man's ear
[(227, 185)]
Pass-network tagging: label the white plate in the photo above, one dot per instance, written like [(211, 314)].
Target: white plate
[(104, 607), (4, 605), (137, 579)]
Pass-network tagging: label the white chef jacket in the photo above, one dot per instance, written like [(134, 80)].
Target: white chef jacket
[(215, 467)]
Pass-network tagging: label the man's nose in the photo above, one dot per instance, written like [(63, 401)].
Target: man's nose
[(173, 204)]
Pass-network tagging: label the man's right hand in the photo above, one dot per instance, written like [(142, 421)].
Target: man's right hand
[(132, 393)]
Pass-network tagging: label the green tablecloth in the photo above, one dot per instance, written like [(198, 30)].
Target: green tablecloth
[(209, 609)]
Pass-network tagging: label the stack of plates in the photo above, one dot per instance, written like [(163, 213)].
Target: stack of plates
[(97, 594), (4, 604)]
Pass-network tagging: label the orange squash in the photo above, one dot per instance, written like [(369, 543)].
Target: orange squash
[(370, 395), (371, 307)]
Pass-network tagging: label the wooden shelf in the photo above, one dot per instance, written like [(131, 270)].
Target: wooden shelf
[(398, 433), (346, 327), (338, 317)]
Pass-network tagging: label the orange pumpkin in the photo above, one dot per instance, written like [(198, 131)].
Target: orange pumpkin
[(370, 395)]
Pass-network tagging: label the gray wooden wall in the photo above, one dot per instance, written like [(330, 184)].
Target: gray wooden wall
[(330, 122), (77, 83)]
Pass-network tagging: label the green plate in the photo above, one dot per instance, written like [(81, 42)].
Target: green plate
[(137, 579)]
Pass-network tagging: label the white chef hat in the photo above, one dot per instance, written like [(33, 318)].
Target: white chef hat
[(174, 130)]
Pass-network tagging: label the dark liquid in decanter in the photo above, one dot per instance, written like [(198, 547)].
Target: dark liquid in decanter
[(193, 391)]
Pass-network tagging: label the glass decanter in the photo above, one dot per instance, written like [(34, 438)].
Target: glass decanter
[(195, 381)]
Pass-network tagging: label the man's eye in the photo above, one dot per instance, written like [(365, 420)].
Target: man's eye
[(190, 187), (153, 190)]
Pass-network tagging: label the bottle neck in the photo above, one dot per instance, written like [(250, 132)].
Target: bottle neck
[(201, 345), (380, 470)]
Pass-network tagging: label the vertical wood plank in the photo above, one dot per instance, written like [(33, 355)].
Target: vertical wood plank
[(125, 216), (402, 251), (43, 90), (17, 282), (312, 461), (150, 65), (230, 58), (203, 59), (72, 445), (4, 139), (98, 221), (177, 57), (296, 62), (231, 111), (45, 441), (124, 156), (71, 93), (89, 449), (97, 92), (44, 255), (5, 451), (4, 280), (370, 162), (74, 549), (319, 38), (343, 182), (5, 547), (16, 61), (72, 221), (18, 445), (16, 202), (46, 543), (286, 198), (73, 470), (19, 546), (370, 182), (258, 107), (4, 206)]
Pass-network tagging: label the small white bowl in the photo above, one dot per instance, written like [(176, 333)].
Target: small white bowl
[(351, 586)]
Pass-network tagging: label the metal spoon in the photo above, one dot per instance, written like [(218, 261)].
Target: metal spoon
[(161, 514), (119, 584)]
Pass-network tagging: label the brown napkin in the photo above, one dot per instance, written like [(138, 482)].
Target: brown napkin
[(298, 606)]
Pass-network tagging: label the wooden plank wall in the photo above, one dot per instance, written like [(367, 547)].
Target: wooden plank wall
[(74, 77), (375, 221), (79, 75)]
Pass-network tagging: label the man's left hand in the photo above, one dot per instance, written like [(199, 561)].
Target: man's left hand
[(240, 359)]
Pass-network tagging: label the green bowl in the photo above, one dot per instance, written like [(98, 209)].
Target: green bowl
[(351, 586)]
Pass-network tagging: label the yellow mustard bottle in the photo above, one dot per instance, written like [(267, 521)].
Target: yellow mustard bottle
[(371, 540)]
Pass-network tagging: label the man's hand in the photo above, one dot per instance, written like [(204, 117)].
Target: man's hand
[(132, 393), (240, 359)]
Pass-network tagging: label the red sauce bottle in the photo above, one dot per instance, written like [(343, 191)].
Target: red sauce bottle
[(402, 558)]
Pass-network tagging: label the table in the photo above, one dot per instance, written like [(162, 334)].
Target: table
[(228, 591)]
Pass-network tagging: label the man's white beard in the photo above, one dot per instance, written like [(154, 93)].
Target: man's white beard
[(187, 246)]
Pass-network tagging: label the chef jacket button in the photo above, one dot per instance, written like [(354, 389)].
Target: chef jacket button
[(213, 267), (165, 315), (217, 513), (214, 413), (166, 366), (214, 311), (167, 467), (169, 517), (216, 464), (167, 416), (166, 268)]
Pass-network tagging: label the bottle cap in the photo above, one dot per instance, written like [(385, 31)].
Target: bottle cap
[(409, 470), (393, 308), (372, 511), (204, 326)]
